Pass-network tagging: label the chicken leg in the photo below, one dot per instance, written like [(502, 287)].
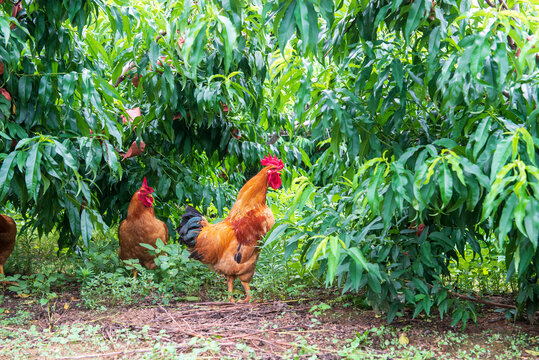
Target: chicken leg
[(247, 289), (230, 283)]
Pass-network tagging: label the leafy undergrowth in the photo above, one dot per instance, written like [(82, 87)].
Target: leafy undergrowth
[(321, 327), (90, 305)]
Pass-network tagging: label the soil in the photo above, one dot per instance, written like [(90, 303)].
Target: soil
[(272, 330)]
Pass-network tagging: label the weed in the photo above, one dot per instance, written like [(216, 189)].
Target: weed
[(14, 318), (115, 289), (319, 309)]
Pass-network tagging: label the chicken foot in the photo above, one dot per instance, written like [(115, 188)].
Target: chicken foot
[(247, 289), (6, 282)]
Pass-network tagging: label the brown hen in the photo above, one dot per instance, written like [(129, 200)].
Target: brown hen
[(8, 232), (141, 226)]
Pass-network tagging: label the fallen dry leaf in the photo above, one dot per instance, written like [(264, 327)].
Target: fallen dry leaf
[(403, 339)]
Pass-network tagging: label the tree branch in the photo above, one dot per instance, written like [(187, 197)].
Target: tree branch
[(128, 67), (504, 5), (479, 300)]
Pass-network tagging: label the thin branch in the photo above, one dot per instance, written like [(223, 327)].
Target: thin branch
[(191, 332), (242, 336), (127, 68), (115, 353), (161, 34), (504, 5), (479, 300)]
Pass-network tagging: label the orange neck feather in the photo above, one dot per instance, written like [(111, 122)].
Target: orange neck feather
[(252, 194), (136, 208)]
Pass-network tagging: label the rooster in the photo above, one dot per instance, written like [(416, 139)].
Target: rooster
[(230, 246), (141, 226), (8, 232)]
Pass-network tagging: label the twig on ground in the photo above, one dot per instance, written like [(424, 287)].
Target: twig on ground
[(115, 353), (241, 336), (191, 332)]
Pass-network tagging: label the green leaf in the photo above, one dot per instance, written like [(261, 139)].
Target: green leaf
[(5, 29), (356, 254), (426, 254), (393, 309), (111, 157), (373, 196), (524, 253), (287, 26), (531, 222), (530, 147), (520, 213), (275, 233), (374, 283), (25, 88), (446, 143), (305, 195), (312, 19), (333, 258), (96, 48), (68, 85), (305, 158), (415, 15), (327, 10), (198, 47), (473, 169), (292, 244), (506, 219), (445, 181), (45, 89), (153, 54), (389, 207), (398, 73), (67, 157), (6, 174), (33, 162), (86, 227), (230, 40), (480, 136), (501, 154), (108, 88), (420, 285)]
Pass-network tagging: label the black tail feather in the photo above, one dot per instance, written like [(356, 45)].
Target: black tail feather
[(237, 255), (195, 255), (189, 227)]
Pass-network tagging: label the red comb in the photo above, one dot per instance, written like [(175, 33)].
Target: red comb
[(270, 160), (146, 187)]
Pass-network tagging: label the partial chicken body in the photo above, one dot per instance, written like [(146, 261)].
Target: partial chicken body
[(8, 232), (141, 226), (230, 246)]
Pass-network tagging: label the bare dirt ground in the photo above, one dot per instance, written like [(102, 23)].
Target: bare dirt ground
[(262, 330)]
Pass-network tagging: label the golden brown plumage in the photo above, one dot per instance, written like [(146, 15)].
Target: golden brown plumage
[(141, 226), (230, 246), (8, 232)]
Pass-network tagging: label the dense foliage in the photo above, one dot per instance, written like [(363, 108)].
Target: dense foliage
[(409, 129)]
